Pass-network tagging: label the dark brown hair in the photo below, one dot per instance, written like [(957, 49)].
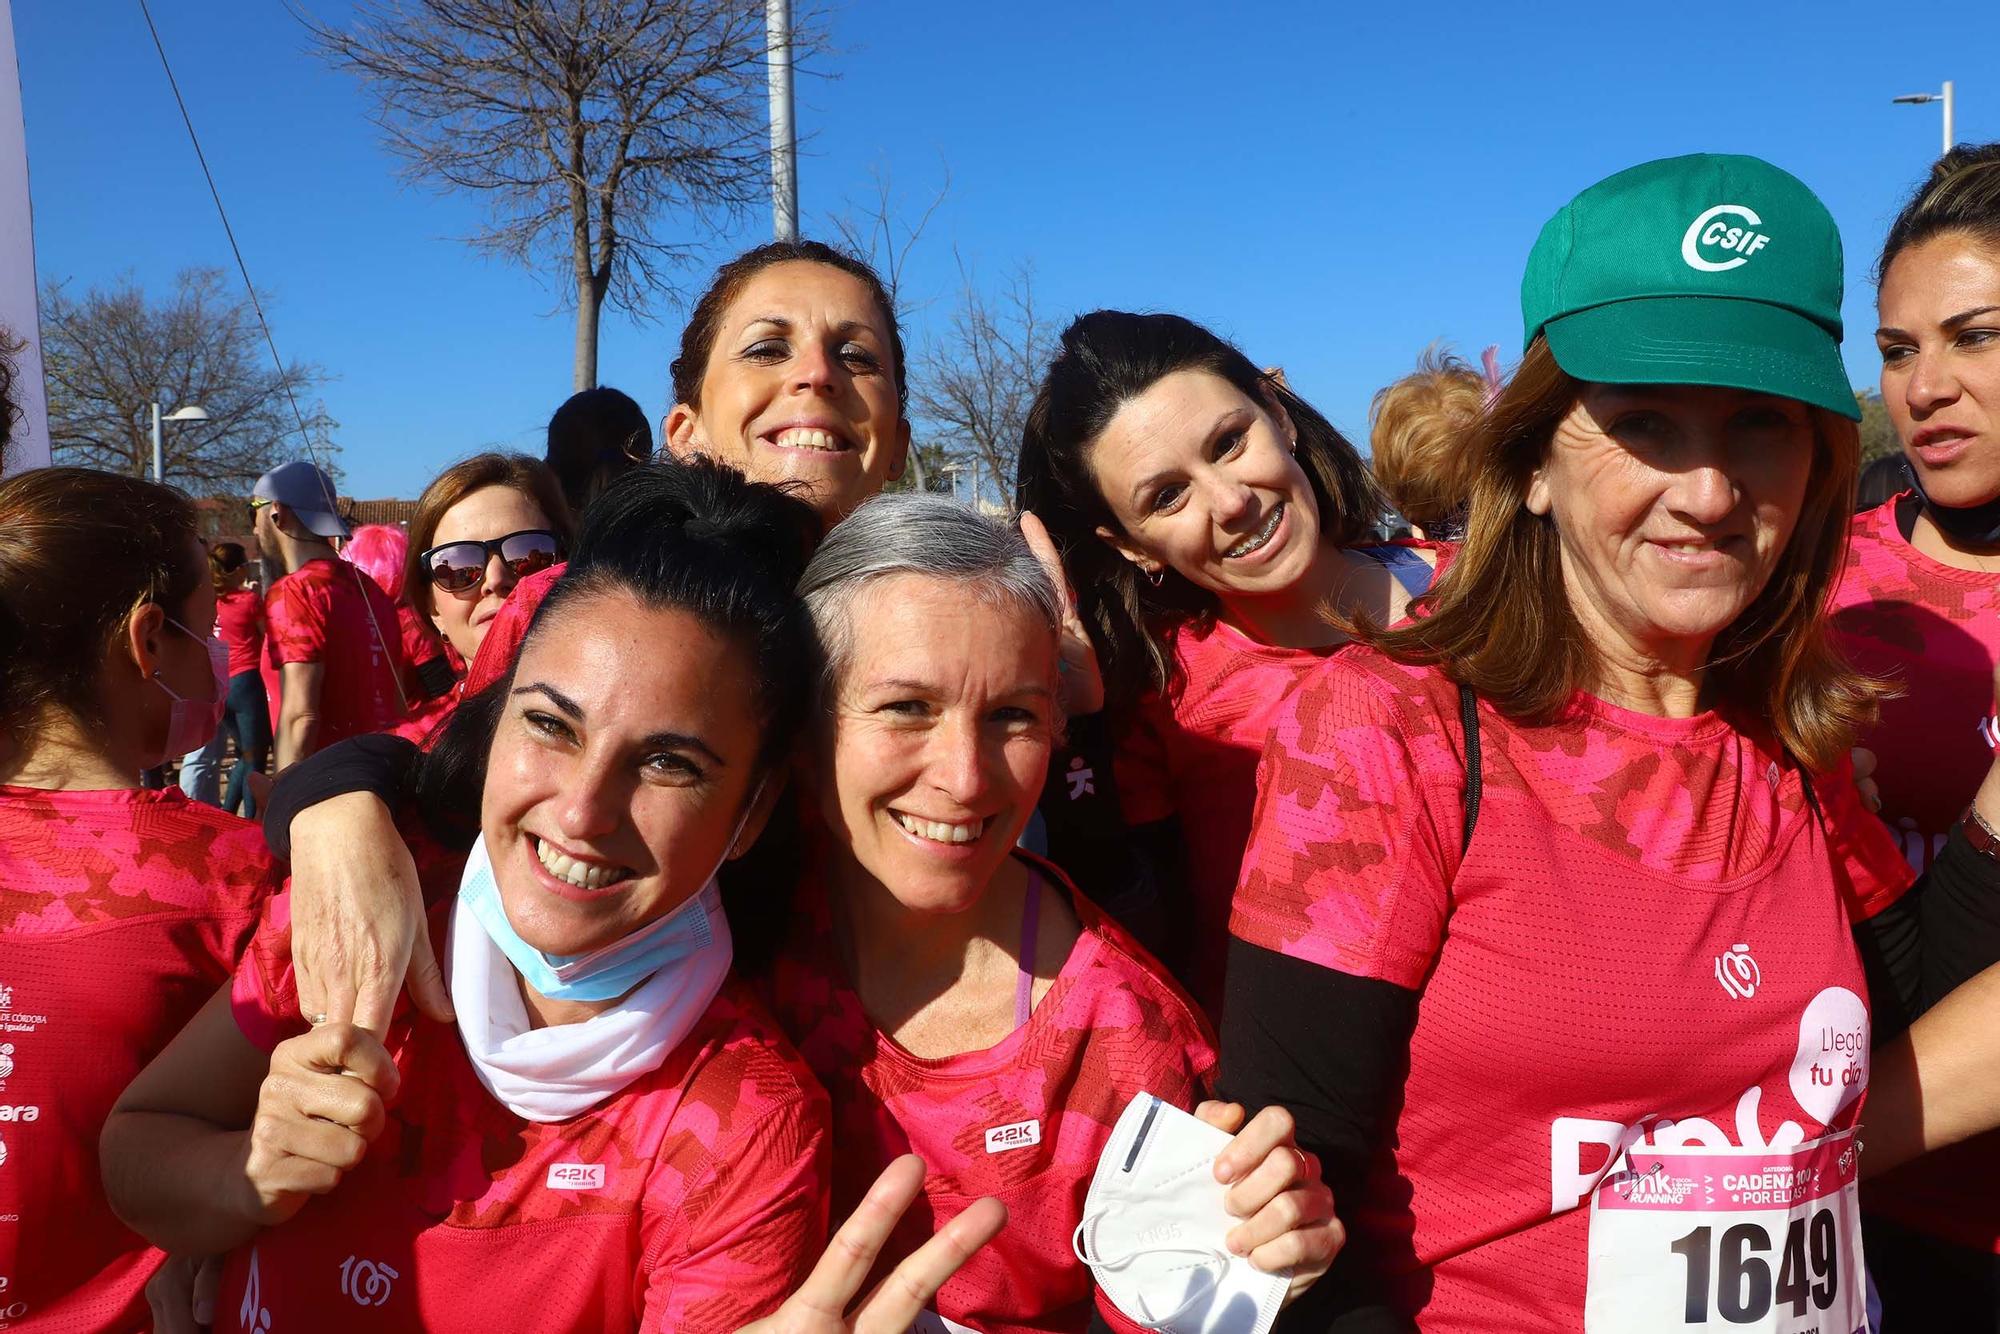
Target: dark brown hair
[(80, 551), (1107, 358), (1500, 621), (698, 339), (1417, 433), (530, 476), (225, 559), (1961, 194)]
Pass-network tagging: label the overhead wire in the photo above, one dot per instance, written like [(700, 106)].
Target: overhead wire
[(257, 305)]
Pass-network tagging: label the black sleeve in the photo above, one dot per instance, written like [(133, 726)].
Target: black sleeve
[(1961, 916), (1892, 958), (1333, 1050), (1134, 874), (376, 762)]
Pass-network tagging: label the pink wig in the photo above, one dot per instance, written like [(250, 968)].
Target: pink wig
[(380, 549)]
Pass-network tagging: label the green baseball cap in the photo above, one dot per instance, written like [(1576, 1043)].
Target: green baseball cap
[(1707, 269)]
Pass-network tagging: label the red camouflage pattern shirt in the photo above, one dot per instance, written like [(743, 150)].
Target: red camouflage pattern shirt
[(121, 913), (693, 1200), (1023, 1120)]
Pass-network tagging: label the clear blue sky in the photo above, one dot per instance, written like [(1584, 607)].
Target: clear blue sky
[(1334, 185)]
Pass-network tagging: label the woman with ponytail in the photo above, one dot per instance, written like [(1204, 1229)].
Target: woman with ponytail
[(121, 910)]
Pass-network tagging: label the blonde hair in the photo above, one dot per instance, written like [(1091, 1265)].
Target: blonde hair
[(1418, 430), (1500, 620)]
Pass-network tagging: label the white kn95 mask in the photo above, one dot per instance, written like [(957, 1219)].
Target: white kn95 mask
[(1153, 1227)]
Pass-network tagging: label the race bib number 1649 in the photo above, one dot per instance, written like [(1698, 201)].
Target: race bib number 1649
[(1747, 1240)]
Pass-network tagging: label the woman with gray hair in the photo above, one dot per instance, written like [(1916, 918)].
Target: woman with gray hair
[(954, 993)]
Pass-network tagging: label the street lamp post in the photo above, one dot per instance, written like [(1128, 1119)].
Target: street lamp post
[(1944, 96), (190, 413)]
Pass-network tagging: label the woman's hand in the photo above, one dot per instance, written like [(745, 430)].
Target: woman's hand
[(1275, 1187), (1083, 683), (820, 1306), (322, 1104), (358, 917), (1864, 779), (181, 1294)]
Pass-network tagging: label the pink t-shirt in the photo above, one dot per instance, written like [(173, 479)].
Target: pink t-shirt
[(1934, 631), (693, 1200), (1191, 755), (332, 613), (121, 912), (239, 621), (1023, 1120), (1576, 963)]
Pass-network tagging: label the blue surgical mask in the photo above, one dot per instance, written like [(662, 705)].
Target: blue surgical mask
[(612, 970)]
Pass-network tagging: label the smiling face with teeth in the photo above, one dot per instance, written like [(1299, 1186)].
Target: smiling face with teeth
[(1672, 505), (619, 770), (1201, 479), (933, 755), (800, 387)]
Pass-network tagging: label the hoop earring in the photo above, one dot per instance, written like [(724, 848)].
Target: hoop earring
[(1154, 577)]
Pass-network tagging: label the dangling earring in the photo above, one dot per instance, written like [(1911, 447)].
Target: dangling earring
[(1295, 446), (1154, 576)]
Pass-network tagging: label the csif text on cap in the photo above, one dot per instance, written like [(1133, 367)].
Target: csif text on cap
[(1709, 269), (305, 490)]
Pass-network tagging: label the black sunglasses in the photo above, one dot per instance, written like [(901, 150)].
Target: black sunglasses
[(458, 567)]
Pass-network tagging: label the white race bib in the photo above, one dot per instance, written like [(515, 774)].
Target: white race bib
[(1751, 1241)]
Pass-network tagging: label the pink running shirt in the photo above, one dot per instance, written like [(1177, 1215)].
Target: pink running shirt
[(239, 623), (321, 612), (1576, 964), (1191, 755), (694, 1200), (1934, 631), (1023, 1120), (121, 912)]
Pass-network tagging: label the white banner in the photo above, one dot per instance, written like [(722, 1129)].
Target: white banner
[(28, 446)]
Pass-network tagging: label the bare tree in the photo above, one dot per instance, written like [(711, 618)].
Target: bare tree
[(111, 354), (586, 123), (978, 378)]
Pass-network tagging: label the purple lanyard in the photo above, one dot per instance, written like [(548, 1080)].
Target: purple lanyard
[(1024, 985)]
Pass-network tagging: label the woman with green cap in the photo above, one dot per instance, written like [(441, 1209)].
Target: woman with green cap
[(1574, 863)]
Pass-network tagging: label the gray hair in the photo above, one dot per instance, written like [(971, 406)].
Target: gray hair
[(913, 533)]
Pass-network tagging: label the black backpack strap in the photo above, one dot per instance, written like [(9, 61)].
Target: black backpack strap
[(1468, 716)]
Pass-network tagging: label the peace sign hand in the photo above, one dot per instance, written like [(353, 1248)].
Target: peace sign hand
[(820, 1306), (1083, 683)]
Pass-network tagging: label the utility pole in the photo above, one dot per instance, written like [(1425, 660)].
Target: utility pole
[(784, 142)]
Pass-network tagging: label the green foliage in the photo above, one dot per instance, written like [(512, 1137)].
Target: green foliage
[(1878, 437)]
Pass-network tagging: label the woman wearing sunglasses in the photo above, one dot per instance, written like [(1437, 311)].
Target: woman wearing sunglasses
[(483, 526)]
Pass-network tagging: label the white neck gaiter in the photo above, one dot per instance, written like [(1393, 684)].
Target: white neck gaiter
[(553, 1074)]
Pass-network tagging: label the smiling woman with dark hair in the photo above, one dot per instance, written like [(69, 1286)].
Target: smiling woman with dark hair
[(612, 1131)]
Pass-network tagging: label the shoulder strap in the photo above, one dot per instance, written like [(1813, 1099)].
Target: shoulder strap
[(1468, 716)]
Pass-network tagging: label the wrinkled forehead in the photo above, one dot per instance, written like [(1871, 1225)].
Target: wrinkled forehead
[(940, 626)]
